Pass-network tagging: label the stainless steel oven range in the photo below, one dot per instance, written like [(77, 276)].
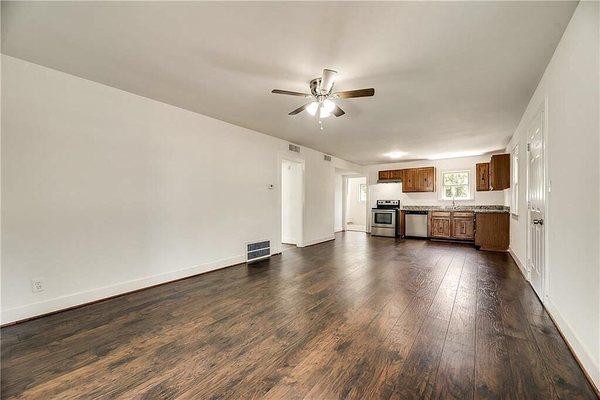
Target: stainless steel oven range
[(385, 218)]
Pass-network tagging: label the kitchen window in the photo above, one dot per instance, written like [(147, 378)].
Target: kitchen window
[(456, 185), (514, 178), (362, 192)]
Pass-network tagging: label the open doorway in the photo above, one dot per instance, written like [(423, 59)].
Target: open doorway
[(292, 195), (356, 204)]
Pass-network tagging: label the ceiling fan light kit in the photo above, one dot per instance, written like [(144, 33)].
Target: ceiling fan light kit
[(321, 93)]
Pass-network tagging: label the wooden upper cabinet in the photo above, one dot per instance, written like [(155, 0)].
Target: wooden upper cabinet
[(425, 179), (391, 175), (483, 177), (397, 174), (413, 179), (385, 175), (500, 172), (409, 183)]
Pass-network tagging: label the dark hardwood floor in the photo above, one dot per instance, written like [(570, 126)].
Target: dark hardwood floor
[(359, 317)]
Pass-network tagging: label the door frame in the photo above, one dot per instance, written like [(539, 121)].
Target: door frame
[(341, 172), (281, 157), (346, 177), (541, 108)]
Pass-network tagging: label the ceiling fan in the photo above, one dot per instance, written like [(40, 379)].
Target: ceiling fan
[(322, 96)]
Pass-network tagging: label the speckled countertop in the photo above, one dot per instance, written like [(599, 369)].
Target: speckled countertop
[(477, 209)]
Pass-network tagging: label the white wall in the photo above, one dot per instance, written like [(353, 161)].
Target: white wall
[(356, 217), (338, 224), (291, 202), (569, 90), (393, 191), (105, 192)]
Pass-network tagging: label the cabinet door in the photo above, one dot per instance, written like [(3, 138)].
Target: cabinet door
[(483, 177), (500, 172), (440, 227), (396, 174), (408, 182), (425, 179), (384, 175), (463, 228), (493, 231)]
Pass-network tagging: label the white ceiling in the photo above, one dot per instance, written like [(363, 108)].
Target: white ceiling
[(450, 77)]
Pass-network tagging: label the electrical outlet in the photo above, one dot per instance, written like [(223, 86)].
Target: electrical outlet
[(38, 285)]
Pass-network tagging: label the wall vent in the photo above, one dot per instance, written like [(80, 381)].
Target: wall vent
[(258, 250), (326, 157), (294, 148)]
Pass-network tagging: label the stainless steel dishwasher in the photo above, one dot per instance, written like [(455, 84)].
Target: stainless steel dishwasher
[(416, 224)]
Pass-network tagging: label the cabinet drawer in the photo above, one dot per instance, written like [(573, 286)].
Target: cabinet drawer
[(463, 214), (440, 214)]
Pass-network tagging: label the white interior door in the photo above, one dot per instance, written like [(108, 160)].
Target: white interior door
[(536, 200), (292, 188)]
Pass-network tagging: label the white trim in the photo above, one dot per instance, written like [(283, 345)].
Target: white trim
[(515, 152), (345, 200), (547, 186), (522, 267), (356, 228), (288, 240), (88, 296), (584, 357), (316, 241), (281, 156), (583, 354)]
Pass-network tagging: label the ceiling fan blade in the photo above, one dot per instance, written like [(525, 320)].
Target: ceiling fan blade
[(327, 80), (355, 93), (279, 91), (338, 112), (299, 109)]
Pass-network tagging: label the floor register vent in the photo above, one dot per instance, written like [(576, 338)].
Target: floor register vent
[(258, 251)]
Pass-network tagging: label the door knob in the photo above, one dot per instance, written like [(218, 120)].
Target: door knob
[(538, 222)]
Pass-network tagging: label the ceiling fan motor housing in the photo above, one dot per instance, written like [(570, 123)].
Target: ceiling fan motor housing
[(315, 88)]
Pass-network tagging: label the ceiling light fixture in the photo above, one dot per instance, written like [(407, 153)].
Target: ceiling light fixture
[(312, 108), (321, 94), (396, 154)]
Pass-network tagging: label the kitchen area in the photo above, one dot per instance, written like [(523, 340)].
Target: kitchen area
[(459, 199)]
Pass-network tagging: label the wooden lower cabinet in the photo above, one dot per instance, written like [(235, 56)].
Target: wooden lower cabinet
[(492, 231), (458, 225), (439, 227), (463, 228)]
